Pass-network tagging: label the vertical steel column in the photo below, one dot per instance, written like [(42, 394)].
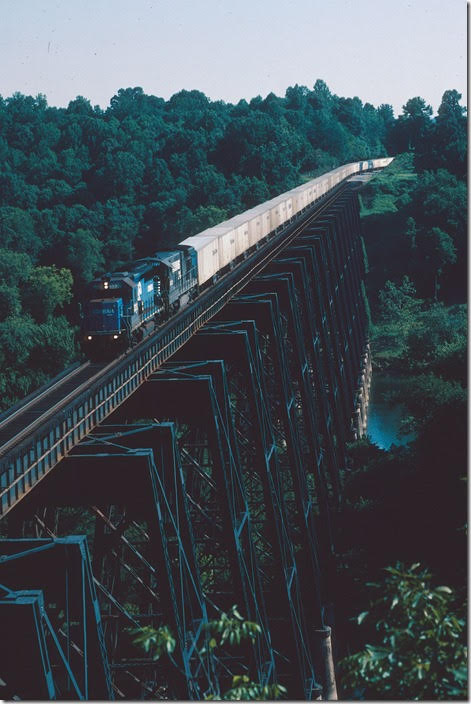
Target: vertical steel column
[(181, 599), (346, 251), (58, 572), (237, 343), (335, 344), (317, 443), (218, 505), (117, 486), (26, 662), (315, 380), (300, 428), (322, 341), (284, 477), (328, 235)]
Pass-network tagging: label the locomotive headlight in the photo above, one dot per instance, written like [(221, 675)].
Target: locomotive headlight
[(105, 284), (115, 337), (89, 337)]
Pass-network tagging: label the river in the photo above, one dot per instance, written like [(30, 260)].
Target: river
[(384, 417)]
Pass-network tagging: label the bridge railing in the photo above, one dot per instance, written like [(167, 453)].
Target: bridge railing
[(25, 460)]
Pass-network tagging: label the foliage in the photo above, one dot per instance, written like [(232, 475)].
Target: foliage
[(157, 641), (418, 335), (408, 503), (244, 690), (230, 628), (415, 224), (398, 311), (421, 654), (46, 290), (87, 190)]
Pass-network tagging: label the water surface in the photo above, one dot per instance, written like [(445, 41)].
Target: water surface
[(384, 417)]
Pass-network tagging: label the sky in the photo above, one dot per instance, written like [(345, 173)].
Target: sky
[(379, 50)]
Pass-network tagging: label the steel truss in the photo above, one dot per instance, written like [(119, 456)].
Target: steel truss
[(239, 344), (296, 609), (219, 479), (143, 562), (48, 607), (218, 505)]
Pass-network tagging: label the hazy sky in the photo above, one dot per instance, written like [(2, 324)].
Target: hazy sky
[(383, 51)]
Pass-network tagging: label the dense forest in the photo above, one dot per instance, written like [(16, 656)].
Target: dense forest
[(405, 509), (84, 190)]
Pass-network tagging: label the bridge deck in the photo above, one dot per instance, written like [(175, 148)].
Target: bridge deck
[(40, 433)]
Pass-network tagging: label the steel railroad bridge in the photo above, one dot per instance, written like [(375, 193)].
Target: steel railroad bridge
[(197, 471)]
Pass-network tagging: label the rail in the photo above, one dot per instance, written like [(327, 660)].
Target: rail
[(29, 454)]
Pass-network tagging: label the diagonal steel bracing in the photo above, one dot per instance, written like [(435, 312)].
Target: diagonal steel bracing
[(321, 477), (315, 383), (49, 609), (136, 519), (180, 595), (300, 610), (195, 396), (259, 458), (219, 479)]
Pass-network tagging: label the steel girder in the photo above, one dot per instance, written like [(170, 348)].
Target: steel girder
[(250, 493), (144, 571), (299, 606), (218, 504), (55, 646)]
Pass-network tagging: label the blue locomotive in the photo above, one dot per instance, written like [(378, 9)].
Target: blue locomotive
[(121, 304)]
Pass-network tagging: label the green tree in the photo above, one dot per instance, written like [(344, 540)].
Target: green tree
[(17, 231), (84, 255), (399, 307), (10, 301), (421, 653), (15, 267), (16, 340), (46, 290), (446, 144), (437, 327), (54, 346), (414, 125), (440, 252)]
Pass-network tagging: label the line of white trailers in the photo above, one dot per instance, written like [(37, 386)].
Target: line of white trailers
[(218, 246)]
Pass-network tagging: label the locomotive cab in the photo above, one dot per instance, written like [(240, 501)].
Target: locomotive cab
[(119, 304), (104, 316)]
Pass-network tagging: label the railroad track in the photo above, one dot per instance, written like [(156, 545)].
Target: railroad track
[(22, 420), (23, 426)]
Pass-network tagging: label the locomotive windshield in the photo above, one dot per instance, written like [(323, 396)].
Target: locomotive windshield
[(104, 315)]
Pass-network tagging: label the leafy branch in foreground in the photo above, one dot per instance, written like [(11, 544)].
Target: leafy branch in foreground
[(422, 652), (158, 641), (230, 628), (243, 689)]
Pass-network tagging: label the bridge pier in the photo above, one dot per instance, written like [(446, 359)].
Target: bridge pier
[(360, 420)]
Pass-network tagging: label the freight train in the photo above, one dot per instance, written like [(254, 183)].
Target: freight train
[(121, 305)]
